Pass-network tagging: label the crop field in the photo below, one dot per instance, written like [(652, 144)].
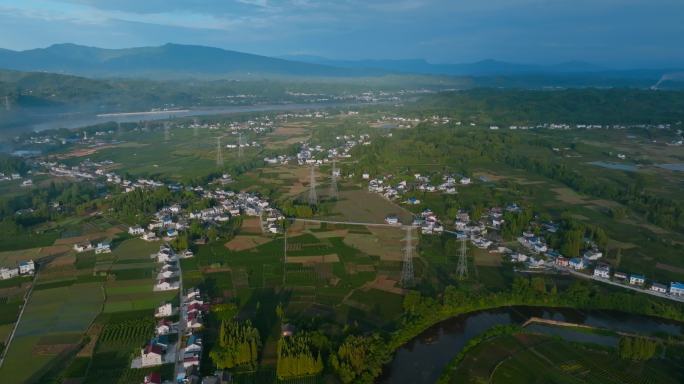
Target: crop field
[(50, 315), (559, 361)]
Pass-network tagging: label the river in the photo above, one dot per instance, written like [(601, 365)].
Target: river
[(79, 120), (423, 359)]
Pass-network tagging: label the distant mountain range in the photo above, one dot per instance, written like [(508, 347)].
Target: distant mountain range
[(164, 61), (180, 61), (479, 68)]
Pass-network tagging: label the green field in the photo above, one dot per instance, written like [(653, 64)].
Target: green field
[(532, 358)]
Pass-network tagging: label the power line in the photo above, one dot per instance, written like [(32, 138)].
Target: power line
[(462, 268), (407, 262), (313, 197), (167, 133)]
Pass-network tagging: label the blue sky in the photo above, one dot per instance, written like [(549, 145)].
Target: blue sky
[(616, 33)]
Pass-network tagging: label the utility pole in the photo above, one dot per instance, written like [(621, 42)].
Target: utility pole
[(333, 181), (462, 267), (313, 197), (407, 262), (240, 146), (219, 153)]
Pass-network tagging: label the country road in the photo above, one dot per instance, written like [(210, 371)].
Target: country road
[(21, 313)]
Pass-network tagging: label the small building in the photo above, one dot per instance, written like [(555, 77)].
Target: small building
[(657, 287), (149, 236), (620, 276), (136, 230), (592, 254), (562, 261), (576, 263), (676, 288), (27, 267), (392, 220), (637, 279), (103, 248), (151, 355), (602, 271), (164, 310), (83, 247), (8, 273)]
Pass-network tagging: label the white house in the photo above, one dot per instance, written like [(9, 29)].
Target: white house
[(103, 248), (27, 267), (83, 247), (676, 288), (393, 220), (465, 180), (8, 273), (592, 254), (149, 236), (660, 288), (576, 263), (136, 231), (637, 279), (163, 327), (602, 271), (164, 310), (151, 355)]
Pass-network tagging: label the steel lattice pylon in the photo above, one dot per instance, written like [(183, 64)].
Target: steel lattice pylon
[(462, 268), (219, 153), (313, 197), (333, 181), (407, 262)]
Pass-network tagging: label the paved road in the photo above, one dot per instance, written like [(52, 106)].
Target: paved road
[(616, 284), (21, 313)]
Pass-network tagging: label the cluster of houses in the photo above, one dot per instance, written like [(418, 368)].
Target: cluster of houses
[(171, 220), (428, 222), (603, 271), (11, 176), (193, 310), (384, 186), (25, 268), (159, 349), (169, 274), (87, 246)]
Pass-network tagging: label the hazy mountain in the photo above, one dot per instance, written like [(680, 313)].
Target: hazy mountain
[(163, 61), (479, 68)]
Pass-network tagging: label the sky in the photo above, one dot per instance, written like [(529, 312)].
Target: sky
[(613, 33)]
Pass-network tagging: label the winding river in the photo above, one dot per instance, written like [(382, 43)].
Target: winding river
[(423, 359)]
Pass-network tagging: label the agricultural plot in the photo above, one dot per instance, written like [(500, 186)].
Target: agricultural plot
[(53, 323), (560, 361)]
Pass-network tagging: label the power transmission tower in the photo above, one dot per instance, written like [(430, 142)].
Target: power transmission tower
[(195, 126), (333, 181), (219, 153), (462, 268), (167, 133), (7, 103), (407, 262), (285, 257), (313, 198), (240, 146)]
